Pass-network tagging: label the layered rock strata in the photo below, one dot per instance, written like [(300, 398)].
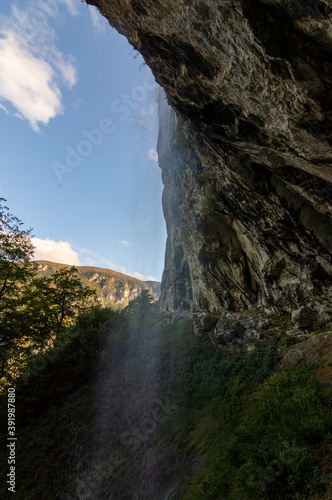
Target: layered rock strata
[(245, 147)]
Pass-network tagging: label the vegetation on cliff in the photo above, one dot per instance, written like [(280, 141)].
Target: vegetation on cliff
[(131, 407), (41, 301), (122, 404), (34, 312)]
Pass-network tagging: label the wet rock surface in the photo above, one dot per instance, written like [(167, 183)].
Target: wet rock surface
[(245, 148)]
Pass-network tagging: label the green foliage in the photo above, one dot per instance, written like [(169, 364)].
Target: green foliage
[(59, 299), (16, 271), (142, 312), (16, 251), (70, 361), (288, 340), (284, 323), (203, 178), (221, 366), (323, 329), (281, 321), (260, 431), (44, 310)]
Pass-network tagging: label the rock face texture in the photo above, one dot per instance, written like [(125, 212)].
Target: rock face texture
[(244, 147), (316, 349), (113, 289)]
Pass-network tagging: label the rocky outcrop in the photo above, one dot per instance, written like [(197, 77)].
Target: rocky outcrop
[(315, 350), (245, 148), (244, 328), (113, 289)]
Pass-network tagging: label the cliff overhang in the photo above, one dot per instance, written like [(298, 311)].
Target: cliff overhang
[(244, 147)]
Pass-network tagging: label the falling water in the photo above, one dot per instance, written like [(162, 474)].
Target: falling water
[(133, 397)]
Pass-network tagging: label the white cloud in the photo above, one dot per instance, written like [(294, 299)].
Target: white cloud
[(67, 69), (153, 155), (26, 82), (139, 276), (151, 278), (55, 251), (32, 69), (122, 269), (114, 267), (99, 22), (88, 252), (63, 253), (77, 104), (4, 109), (71, 5), (89, 262), (126, 243), (150, 110), (146, 116)]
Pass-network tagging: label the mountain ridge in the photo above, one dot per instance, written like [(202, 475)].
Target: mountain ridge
[(114, 289)]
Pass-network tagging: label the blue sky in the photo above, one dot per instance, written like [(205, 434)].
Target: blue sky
[(78, 118)]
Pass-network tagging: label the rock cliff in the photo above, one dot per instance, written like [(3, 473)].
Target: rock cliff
[(244, 147), (113, 289)]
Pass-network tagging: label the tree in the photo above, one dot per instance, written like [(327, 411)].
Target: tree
[(54, 303), (16, 251), (33, 312), (48, 307), (143, 300), (16, 270), (141, 311)]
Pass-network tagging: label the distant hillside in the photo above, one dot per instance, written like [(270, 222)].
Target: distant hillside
[(113, 289)]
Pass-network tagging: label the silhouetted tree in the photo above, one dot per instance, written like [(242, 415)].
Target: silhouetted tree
[(16, 251), (16, 270), (57, 301)]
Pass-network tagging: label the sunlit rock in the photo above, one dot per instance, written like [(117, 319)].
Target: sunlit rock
[(247, 162)]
